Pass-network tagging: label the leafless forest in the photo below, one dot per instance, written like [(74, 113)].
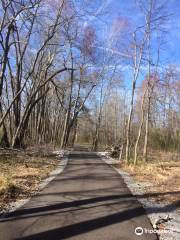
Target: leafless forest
[(61, 83)]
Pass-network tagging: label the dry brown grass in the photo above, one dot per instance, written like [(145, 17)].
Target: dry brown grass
[(161, 180), (21, 173)]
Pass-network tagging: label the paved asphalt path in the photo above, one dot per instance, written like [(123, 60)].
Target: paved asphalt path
[(88, 201)]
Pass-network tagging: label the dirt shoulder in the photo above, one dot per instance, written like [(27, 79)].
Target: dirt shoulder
[(22, 171)]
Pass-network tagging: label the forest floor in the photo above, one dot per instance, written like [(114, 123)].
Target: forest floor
[(22, 171)]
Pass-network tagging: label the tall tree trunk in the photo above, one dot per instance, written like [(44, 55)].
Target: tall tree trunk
[(67, 119), (96, 137), (4, 141), (5, 58), (140, 129), (74, 133), (129, 122), (137, 59), (148, 83), (146, 133)]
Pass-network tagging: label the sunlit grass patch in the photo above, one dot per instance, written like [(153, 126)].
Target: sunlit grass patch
[(161, 178), (21, 174)]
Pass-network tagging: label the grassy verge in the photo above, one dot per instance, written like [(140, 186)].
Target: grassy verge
[(160, 181), (21, 172)]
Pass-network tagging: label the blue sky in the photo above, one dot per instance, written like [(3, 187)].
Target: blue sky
[(127, 9)]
